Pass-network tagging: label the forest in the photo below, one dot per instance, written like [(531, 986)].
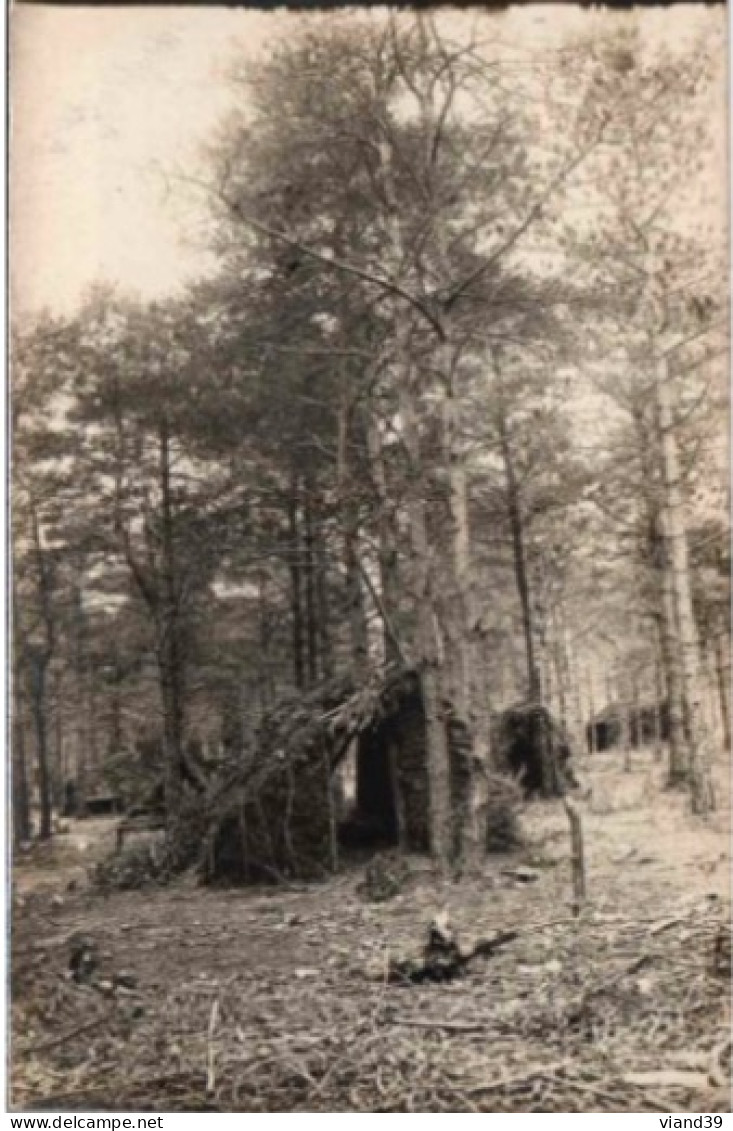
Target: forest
[(391, 552)]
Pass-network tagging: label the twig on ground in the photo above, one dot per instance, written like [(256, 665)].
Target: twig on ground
[(534, 1071), (446, 1026), (211, 1049)]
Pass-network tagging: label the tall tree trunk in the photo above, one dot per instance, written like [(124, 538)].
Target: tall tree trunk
[(20, 791), (309, 572), (559, 662), (710, 695), (519, 558), (265, 680), (325, 647), (723, 689), (38, 670), (387, 548), (546, 694), (36, 660), (677, 773), (172, 728), (114, 739), (79, 717), (574, 690), (354, 595), (354, 592), (665, 614), (171, 647), (93, 759), (470, 801), (294, 569), (458, 560), (677, 561), (59, 753), (469, 791), (427, 642), (427, 645), (661, 705)]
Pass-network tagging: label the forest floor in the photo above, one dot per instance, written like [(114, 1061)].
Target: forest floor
[(276, 1000)]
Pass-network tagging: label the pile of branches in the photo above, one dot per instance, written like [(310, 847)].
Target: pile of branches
[(529, 743), (272, 816), (138, 865)]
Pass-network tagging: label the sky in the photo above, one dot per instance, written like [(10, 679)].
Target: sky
[(106, 106), (109, 107)]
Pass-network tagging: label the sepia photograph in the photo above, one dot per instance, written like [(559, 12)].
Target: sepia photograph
[(368, 634)]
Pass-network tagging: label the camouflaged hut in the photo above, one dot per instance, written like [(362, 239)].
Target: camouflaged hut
[(280, 814)]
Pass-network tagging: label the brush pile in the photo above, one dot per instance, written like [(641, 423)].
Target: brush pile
[(272, 816)]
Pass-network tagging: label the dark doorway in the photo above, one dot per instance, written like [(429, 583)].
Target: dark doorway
[(373, 823)]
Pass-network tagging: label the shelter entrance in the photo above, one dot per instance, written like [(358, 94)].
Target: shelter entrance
[(375, 788), (390, 789)]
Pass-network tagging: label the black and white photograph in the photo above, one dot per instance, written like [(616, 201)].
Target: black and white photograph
[(368, 597)]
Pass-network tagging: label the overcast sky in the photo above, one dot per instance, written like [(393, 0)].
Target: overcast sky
[(108, 103)]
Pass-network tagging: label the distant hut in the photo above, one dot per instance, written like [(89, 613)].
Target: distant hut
[(619, 724)]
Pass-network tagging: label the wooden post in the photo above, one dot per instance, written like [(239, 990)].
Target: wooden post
[(577, 854)]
